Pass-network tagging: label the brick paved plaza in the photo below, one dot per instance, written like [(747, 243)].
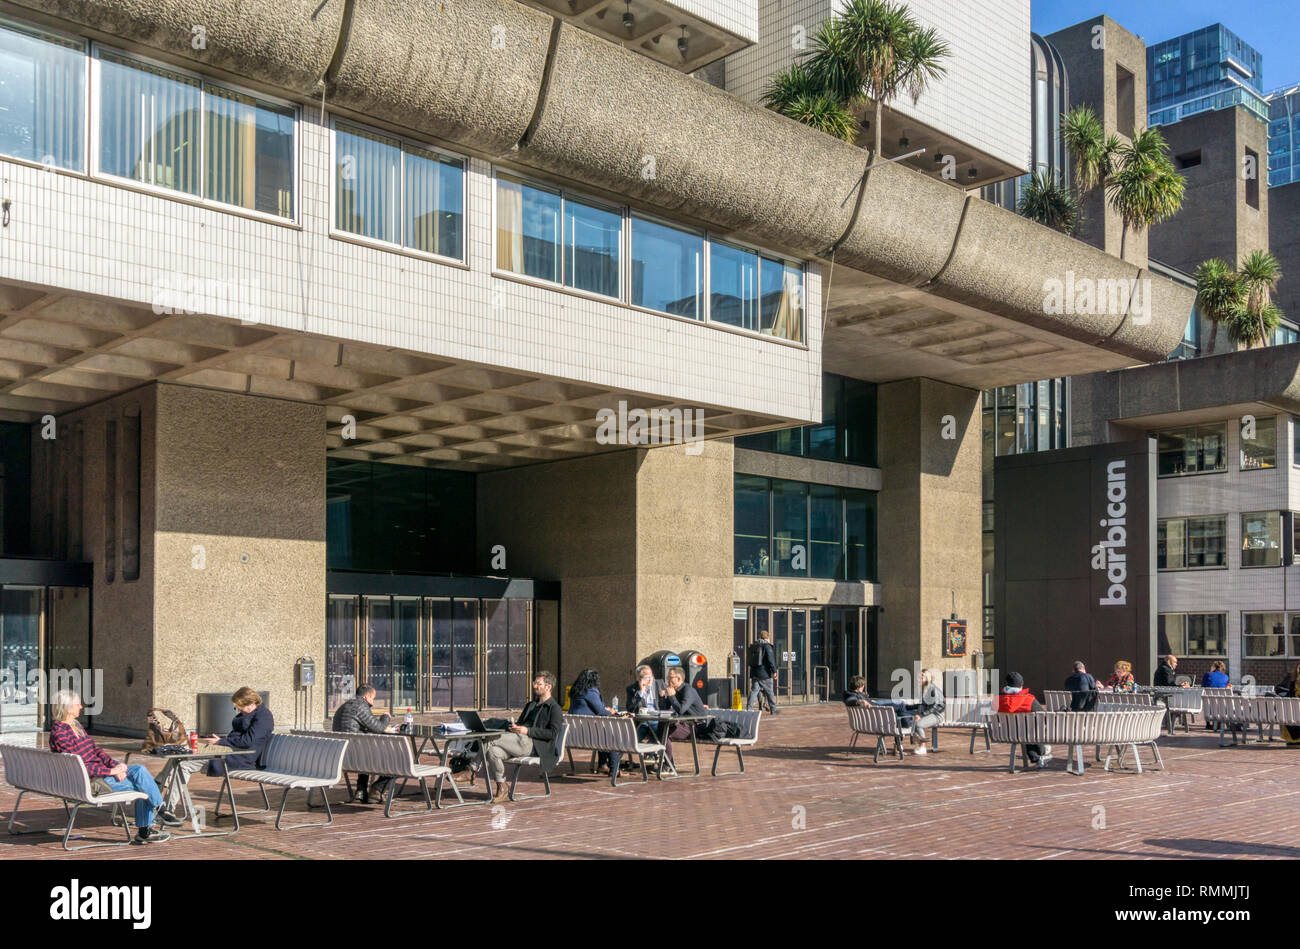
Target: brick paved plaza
[(1211, 803)]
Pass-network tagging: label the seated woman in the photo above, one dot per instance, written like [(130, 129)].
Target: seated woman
[(929, 712), (250, 729), (643, 696), (1122, 680), (1217, 677), (68, 737), (1290, 688), (584, 699)]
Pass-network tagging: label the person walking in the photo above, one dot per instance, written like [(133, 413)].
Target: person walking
[(762, 671)]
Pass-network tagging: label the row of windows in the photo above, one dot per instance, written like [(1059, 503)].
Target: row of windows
[(1198, 449), (794, 529), (168, 130), (1263, 635), (847, 432), (1193, 543)]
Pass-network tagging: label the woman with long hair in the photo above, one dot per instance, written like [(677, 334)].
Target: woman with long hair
[(584, 699)]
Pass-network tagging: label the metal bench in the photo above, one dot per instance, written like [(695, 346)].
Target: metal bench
[(292, 762), (747, 721), (1182, 705), (63, 777), (389, 756), (966, 711), (1115, 728), (879, 721), (615, 735), (1233, 713), (535, 761)]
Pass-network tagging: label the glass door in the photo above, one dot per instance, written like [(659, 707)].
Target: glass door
[(464, 654), (379, 643), (340, 650), (21, 621), (437, 663), (798, 646), (781, 643), (406, 653)]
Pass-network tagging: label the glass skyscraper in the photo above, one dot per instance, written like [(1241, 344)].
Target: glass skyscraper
[(1207, 69), (1284, 136)]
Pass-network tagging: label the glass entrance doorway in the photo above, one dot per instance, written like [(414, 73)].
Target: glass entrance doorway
[(434, 654), (818, 649), (42, 629)]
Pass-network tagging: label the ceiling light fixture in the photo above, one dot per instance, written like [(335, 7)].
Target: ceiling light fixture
[(682, 44), (903, 142), (629, 20)]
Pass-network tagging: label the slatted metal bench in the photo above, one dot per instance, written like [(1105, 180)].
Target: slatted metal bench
[(292, 762), (966, 711), (520, 761), (389, 756), (613, 734), (1126, 726), (879, 721), (1227, 711), (63, 777), (747, 721)]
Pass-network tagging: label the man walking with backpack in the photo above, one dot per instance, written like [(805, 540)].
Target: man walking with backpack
[(762, 670)]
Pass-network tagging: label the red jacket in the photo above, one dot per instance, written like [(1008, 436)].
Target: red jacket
[(1022, 701)]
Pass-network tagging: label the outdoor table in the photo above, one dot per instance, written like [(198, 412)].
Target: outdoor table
[(668, 722), (429, 735), (171, 772)]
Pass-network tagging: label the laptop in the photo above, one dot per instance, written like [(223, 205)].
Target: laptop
[(471, 721)]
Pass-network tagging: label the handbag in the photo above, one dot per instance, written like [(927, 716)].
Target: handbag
[(156, 734)]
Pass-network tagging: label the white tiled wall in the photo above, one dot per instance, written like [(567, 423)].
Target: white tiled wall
[(77, 234), (735, 16), (1232, 492), (983, 100)]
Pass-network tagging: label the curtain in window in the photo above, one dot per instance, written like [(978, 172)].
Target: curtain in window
[(42, 101), (510, 225), (149, 124), (368, 182), (423, 180), (249, 152), (788, 323)]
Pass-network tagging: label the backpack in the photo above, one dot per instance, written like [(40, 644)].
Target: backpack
[(715, 729)]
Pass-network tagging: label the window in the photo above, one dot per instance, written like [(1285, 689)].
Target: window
[(1263, 635), (1189, 160), (1124, 101), (782, 289), (847, 432), (1260, 449), (733, 276), (42, 97), (592, 239), (793, 529), (1192, 450), (148, 122), (1193, 634), (667, 269), (1261, 539), (1188, 543), (528, 230), (249, 153), (390, 191)]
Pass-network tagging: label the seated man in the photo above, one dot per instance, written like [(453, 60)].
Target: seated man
[(679, 696), (354, 716), (1082, 688), (857, 694), (643, 696), (533, 734), (1016, 698), (1165, 674)]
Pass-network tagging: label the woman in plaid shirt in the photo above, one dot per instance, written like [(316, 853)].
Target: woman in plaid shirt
[(66, 737)]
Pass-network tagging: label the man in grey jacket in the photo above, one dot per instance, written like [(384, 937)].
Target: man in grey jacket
[(355, 716)]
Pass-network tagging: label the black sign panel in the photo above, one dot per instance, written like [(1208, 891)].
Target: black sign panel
[(1074, 561)]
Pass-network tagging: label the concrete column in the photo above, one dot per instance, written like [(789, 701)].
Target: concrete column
[(928, 538)]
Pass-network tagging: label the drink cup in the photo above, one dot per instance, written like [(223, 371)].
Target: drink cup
[(194, 741)]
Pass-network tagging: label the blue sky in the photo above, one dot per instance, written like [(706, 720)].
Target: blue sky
[(1271, 26)]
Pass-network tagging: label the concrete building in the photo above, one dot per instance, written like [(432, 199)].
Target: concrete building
[(325, 342), (1201, 71), (1107, 69), (1284, 242), (978, 112), (1220, 155)]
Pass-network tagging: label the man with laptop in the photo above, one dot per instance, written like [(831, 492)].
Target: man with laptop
[(533, 734)]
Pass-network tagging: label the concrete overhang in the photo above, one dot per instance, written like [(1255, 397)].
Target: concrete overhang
[(574, 107), (1262, 381)]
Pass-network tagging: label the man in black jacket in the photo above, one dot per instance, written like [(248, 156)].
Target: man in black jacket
[(762, 670), (534, 733), (1082, 688), (1165, 674), (680, 696), (354, 716)]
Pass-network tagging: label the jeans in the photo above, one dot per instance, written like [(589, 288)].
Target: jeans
[(921, 724), (763, 687), (138, 778)]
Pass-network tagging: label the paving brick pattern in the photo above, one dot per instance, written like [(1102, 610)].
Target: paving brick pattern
[(804, 796)]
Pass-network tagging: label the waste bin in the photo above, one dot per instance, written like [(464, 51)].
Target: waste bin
[(215, 710), (660, 662), (696, 666)]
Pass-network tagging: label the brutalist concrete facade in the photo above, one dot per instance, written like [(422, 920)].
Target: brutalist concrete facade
[(1284, 242)]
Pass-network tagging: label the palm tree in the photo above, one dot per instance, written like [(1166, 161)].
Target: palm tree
[(875, 49), (1259, 274), (793, 93), (1047, 201), (1220, 295), (1091, 152), (1144, 188), (1254, 328)]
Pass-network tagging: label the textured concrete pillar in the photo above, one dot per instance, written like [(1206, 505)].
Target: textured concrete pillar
[(239, 546), (640, 541), (929, 540)]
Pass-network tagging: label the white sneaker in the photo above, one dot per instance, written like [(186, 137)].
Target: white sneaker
[(1042, 761), (920, 750), (1047, 751)]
